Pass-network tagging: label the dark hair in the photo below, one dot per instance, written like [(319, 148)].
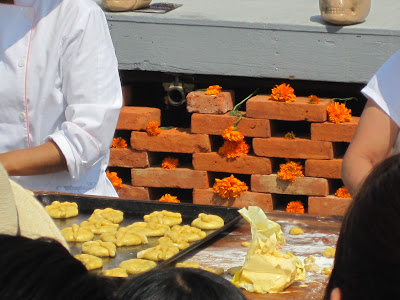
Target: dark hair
[(367, 260), (179, 284), (43, 269)]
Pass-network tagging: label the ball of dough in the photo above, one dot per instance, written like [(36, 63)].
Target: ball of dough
[(113, 215), (116, 272), (124, 237), (329, 252), (295, 231), (77, 234), (137, 266), (327, 271), (181, 243), (62, 210), (99, 248), (246, 244), (185, 232), (99, 226), (164, 217), (91, 262), (159, 252), (149, 229), (207, 222)]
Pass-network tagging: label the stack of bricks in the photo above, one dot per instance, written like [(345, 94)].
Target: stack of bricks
[(319, 146)]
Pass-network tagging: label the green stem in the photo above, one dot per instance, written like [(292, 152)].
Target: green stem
[(235, 111)]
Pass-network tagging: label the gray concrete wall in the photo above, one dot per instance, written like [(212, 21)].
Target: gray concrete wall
[(256, 38)]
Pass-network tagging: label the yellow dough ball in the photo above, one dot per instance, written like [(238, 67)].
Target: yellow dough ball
[(62, 210), (295, 231), (164, 217), (113, 215), (99, 248), (208, 222), (91, 262), (312, 267), (327, 271), (137, 266), (116, 272), (77, 234), (329, 252), (309, 260)]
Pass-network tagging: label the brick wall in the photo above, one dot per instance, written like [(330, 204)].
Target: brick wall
[(319, 146)]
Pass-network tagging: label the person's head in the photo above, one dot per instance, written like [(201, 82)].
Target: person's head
[(179, 284), (368, 249), (43, 269)]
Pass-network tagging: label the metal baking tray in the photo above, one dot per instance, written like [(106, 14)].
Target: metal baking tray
[(134, 210)]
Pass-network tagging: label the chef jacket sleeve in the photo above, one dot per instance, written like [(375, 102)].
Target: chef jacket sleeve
[(92, 91)]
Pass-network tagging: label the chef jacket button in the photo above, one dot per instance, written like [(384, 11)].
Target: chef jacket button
[(22, 116), (21, 63)]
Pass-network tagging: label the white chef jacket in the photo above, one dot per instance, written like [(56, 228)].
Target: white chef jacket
[(382, 89), (59, 81)]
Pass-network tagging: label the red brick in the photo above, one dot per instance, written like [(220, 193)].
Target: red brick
[(133, 192), (261, 107), (198, 101), (181, 178), (216, 124), (137, 118), (327, 131), (128, 158), (328, 206), (173, 140), (247, 164), (298, 148), (302, 186), (208, 197), (330, 168)]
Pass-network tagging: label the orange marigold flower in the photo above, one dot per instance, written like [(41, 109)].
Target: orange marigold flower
[(342, 193), (213, 90), (169, 163), (115, 180), (230, 134), (234, 149), (338, 113), (229, 187), (169, 198), (290, 136), (283, 92), (290, 171), (118, 143), (152, 128), (295, 207), (312, 99)]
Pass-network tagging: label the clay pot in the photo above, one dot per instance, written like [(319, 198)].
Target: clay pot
[(344, 12)]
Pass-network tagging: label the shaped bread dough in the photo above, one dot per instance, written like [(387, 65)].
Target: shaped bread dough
[(77, 234), (164, 217), (99, 226), (149, 229), (159, 252), (178, 242), (116, 272), (62, 210), (113, 215), (185, 232), (137, 266), (91, 262), (246, 244), (204, 221), (124, 237), (329, 252), (295, 231), (99, 248)]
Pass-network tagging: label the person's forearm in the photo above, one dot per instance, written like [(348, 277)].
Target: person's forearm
[(355, 169), (43, 159)]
